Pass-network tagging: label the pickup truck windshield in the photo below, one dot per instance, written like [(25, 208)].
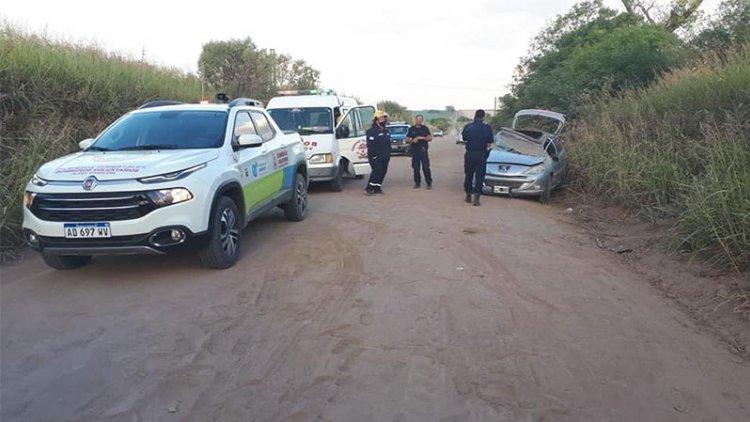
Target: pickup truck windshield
[(189, 129), (305, 121)]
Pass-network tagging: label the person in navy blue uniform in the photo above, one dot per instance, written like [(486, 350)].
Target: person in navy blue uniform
[(419, 137), (378, 152), (478, 137)]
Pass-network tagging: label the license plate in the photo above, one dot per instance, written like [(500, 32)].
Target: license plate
[(500, 189), (87, 230)]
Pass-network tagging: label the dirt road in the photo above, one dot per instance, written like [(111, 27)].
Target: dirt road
[(406, 307)]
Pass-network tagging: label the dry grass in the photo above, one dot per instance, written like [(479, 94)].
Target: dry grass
[(54, 94), (680, 149)]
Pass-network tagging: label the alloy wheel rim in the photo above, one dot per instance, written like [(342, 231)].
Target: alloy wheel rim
[(229, 232), (301, 197)]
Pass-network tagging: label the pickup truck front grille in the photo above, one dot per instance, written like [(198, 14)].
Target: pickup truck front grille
[(106, 206)]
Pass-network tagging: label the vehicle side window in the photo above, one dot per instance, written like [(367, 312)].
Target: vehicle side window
[(265, 130), (346, 127), (366, 114), (243, 125)]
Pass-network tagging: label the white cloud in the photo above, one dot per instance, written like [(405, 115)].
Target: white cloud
[(424, 54)]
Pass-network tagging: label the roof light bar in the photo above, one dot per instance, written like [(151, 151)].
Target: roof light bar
[(308, 92)]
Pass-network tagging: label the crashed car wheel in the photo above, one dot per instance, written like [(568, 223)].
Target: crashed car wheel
[(546, 195)]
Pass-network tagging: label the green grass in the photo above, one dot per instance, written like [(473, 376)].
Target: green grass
[(679, 148), (54, 94)]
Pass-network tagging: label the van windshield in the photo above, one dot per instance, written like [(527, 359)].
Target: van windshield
[(305, 121)]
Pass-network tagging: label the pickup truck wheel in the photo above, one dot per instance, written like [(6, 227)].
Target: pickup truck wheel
[(296, 208), (223, 246), (337, 184), (65, 262)]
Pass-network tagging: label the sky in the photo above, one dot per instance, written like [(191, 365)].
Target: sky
[(422, 54)]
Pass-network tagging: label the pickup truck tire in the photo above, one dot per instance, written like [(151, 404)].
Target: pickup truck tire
[(225, 233), (296, 208), (65, 262), (337, 184)]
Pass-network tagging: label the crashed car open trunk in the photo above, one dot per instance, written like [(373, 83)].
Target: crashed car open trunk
[(527, 159)]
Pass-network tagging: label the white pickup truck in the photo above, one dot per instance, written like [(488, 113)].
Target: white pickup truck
[(332, 129), (166, 177)]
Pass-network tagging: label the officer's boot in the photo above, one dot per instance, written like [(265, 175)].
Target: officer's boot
[(468, 198), (476, 200)]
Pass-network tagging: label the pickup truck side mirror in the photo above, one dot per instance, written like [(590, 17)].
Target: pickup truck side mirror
[(86, 143), (250, 140)]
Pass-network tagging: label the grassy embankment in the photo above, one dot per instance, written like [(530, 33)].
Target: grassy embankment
[(680, 149), (54, 94)]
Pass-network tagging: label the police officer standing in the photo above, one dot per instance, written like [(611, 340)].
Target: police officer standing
[(478, 138), (378, 152), (419, 137)]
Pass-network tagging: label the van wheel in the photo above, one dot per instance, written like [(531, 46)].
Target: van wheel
[(296, 208), (65, 262), (223, 245), (337, 184)]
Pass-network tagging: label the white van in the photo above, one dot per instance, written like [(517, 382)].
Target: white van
[(332, 128)]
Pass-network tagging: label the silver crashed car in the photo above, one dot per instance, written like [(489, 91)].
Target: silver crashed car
[(528, 159)]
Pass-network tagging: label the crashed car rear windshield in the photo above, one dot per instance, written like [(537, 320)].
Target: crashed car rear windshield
[(537, 122), (174, 129)]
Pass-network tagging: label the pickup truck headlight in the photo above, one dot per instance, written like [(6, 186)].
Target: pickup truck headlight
[(164, 197), (321, 158), (38, 181), (175, 175), (28, 199), (533, 170)]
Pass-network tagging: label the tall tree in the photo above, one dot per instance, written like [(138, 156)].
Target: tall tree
[(240, 68), (728, 27), (395, 110), (586, 50), (676, 15)]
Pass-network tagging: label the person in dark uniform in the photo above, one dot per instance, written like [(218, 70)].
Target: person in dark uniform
[(419, 137), (378, 152), (478, 138)]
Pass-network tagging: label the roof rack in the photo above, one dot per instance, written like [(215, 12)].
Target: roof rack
[(308, 92), (159, 103), (245, 102)]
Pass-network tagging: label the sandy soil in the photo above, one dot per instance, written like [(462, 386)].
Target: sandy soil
[(406, 307)]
